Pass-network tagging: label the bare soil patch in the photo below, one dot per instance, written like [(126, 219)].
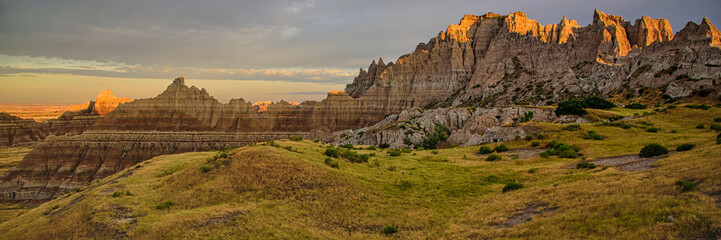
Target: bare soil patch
[(629, 162), (527, 214)]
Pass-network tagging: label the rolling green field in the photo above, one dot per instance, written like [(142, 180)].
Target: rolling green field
[(287, 189)]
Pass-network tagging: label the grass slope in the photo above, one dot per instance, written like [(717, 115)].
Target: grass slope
[(284, 190)]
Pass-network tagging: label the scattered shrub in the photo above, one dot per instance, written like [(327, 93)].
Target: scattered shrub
[(331, 163), (636, 106), (485, 150), (512, 186), (388, 230), (718, 119), (597, 103), (296, 138), (491, 178), (698, 106), (561, 150), (528, 116), (394, 152), (348, 154), (593, 135), (205, 168), (570, 107), (493, 157), (348, 146), (652, 129), (572, 127), (501, 148), (535, 144), (532, 170), (700, 126), (652, 150), (371, 147), (434, 152), (540, 136), (585, 165), (384, 145), (685, 147), (165, 205), (117, 194), (715, 127), (440, 133), (528, 138), (686, 186)]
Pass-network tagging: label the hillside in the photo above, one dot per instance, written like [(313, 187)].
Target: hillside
[(283, 189)]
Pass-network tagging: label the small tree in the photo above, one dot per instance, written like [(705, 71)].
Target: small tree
[(570, 107), (652, 150)]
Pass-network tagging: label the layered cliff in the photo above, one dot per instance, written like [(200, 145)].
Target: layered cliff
[(499, 60)]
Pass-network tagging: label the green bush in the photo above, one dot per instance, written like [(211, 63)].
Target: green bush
[(388, 230), (652, 150), (485, 150), (715, 127), (394, 152), (492, 178), (698, 106), (540, 136), (652, 129), (686, 186), (296, 138), (570, 107), (528, 116), (532, 170), (493, 157), (561, 150), (636, 106), (331, 163), (572, 127), (384, 145), (440, 133), (512, 186), (597, 103), (205, 168), (593, 135), (585, 165), (718, 119), (434, 152), (348, 146), (501, 148), (685, 147), (165, 205), (535, 144), (117, 194), (700, 126), (371, 147), (528, 138)]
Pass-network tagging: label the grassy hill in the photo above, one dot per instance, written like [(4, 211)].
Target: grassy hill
[(288, 189)]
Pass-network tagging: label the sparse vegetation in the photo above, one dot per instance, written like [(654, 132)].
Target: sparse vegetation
[(500, 148), (685, 147), (686, 186), (394, 152), (493, 157), (593, 135), (165, 205), (330, 162), (715, 127), (512, 186), (440, 133), (296, 138), (561, 150), (700, 126), (535, 143), (572, 127), (636, 106), (485, 150), (585, 165), (389, 230), (597, 103), (571, 107), (652, 129)]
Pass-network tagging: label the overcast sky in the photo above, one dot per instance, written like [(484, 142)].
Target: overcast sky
[(68, 51)]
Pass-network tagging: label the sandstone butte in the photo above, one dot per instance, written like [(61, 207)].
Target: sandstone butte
[(487, 61)]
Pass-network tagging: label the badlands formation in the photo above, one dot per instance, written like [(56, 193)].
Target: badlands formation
[(490, 61)]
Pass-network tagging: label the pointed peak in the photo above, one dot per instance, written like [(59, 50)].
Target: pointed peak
[(180, 81), (380, 62)]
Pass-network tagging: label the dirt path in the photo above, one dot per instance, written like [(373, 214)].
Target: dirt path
[(522, 153), (527, 214), (629, 162)]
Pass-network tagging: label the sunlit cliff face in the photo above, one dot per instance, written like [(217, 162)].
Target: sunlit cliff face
[(262, 106)]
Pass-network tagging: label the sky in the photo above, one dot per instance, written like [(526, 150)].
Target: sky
[(66, 52)]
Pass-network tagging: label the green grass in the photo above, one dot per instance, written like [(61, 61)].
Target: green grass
[(270, 192)]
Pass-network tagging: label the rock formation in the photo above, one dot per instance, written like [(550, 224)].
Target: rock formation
[(104, 103), (489, 60)]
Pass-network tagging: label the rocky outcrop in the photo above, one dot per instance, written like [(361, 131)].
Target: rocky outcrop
[(104, 103), (465, 126), (15, 131)]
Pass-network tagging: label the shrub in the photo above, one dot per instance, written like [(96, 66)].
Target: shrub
[(165, 205), (561, 150), (501, 148), (572, 127), (384, 145), (440, 133), (532, 170), (625, 126), (117, 194), (371, 147), (492, 178), (528, 138), (434, 152), (493, 157), (597, 103), (698, 106), (715, 127), (686, 186), (512, 186), (570, 107), (528, 116), (585, 165), (348, 146), (636, 106), (652, 129), (388, 230), (535, 144), (540, 136), (700, 126), (331, 163), (485, 150), (592, 135), (296, 138), (652, 150), (718, 119), (685, 147), (332, 152), (394, 152), (205, 168)]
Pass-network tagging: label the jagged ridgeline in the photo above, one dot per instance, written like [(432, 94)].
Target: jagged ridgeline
[(484, 61)]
